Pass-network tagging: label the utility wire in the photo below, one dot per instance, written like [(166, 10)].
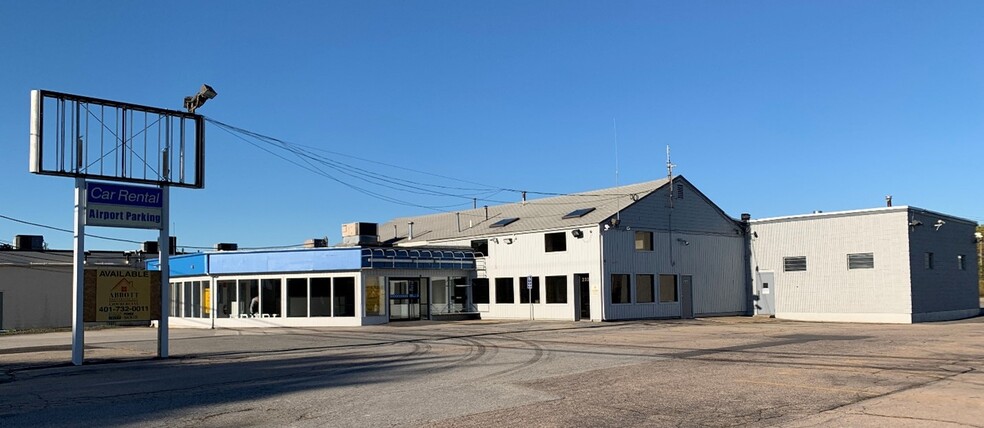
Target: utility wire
[(130, 241), (309, 159)]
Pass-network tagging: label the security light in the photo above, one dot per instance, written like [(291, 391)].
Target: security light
[(577, 233), (192, 103)]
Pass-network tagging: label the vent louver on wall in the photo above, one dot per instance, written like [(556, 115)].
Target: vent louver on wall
[(861, 261), (794, 264)]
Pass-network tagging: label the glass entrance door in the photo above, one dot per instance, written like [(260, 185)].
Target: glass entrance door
[(404, 299)]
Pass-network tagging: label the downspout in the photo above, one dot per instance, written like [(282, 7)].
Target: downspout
[(748, 259), (601, 275)]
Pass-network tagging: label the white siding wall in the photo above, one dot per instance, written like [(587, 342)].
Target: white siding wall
[(714, 257), (827, 290), (693, 213), (716, 263), (944, 292), (36, 297), (526, 256)]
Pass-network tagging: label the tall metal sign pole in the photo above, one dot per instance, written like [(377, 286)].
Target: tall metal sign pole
[(97, 139), (164, 248), (78, 274)]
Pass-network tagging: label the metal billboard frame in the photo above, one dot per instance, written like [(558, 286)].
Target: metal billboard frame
[(79, 148)]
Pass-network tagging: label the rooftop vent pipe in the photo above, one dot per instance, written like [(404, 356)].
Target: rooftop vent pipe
[(888, 200), (410, 230)]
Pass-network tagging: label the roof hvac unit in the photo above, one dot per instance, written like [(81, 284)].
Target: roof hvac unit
[(29, 242), (226, 246), (359, 229), (360, 233), (151, 247), (316, 243)]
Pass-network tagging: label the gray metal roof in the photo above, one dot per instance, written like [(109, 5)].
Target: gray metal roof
[(534, 215), (864, 211)]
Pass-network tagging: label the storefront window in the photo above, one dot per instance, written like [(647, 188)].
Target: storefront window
[(270, 297), (374, 296), (196, 299), (439, 293), (186, 299), (557, 289), (227, 295), (297, 297), (206, 299), (320, 297), (175, 299), (480, 290), (344, 297), (249, 298), (504, 290)]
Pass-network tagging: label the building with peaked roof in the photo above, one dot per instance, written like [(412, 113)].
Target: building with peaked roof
[(893, 264), (658, 249)]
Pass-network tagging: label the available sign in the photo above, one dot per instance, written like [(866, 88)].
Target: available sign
[(118, 205), (125, 295)]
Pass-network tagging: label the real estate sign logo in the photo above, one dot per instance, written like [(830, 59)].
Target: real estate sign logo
[(123, 295), (118, 205)]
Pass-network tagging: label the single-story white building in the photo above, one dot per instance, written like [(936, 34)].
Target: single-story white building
[(891, 265)]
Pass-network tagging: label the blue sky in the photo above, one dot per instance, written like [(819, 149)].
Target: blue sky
[(770, 107)]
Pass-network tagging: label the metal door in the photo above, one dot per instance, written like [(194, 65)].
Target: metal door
[(404, 299), (686, 296), (766, 290), (584, 296)]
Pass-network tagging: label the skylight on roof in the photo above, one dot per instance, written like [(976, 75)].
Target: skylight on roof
[(504, 222), (577, 213)]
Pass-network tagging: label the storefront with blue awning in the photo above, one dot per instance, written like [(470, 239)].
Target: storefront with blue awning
[(313, 287)]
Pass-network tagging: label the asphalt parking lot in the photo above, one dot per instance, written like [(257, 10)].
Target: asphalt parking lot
[(734, 371)]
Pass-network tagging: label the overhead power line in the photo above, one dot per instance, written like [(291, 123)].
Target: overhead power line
[(304, 157), (130, 241)]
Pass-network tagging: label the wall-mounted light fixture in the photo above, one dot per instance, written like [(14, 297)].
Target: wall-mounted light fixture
[(939, 224), (577, 233), (683, 241)]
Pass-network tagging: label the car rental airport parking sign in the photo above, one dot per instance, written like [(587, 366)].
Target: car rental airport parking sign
[(119, 205)]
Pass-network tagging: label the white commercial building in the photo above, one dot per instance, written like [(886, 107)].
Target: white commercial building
[(36, 284), (659, 249), (890, 265)]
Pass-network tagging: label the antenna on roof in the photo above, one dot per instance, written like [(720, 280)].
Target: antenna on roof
[(669, 173), (618, 204)]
